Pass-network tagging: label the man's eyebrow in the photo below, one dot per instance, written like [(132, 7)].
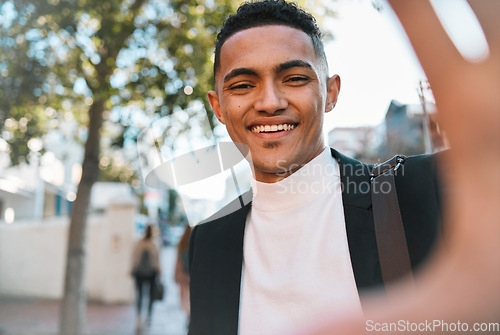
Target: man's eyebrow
[(280, 68), (238, 72), (293, 63)]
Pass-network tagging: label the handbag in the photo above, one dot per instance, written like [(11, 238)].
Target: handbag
[(158, 290), (389, 230)]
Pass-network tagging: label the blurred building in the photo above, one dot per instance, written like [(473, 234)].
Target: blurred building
[(404, 131), (411, 130), (35, 202), (361, 143), (46, 185)]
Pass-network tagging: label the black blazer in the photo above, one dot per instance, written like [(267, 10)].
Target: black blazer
[(216, 246)]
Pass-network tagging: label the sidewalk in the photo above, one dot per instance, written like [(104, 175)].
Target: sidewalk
[(40, 317)]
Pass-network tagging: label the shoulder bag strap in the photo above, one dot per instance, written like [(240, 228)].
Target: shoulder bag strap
[(389, 229)]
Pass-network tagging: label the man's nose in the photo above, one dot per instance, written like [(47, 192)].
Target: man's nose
[(270, 99)]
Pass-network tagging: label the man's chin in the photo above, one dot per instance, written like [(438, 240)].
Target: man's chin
[(272, 173)]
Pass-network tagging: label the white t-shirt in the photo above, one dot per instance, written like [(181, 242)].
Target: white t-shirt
[(296, 256)]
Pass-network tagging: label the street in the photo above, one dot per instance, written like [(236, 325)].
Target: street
[(40, 317)]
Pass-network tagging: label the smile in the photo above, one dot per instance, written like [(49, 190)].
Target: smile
[(272, 128)]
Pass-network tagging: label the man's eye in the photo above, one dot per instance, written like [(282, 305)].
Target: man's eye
[(240, 87), (297, 79)]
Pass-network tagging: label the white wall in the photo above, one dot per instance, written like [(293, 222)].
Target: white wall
[(33, 254), (22, 203), (109, 254), (31, 259)]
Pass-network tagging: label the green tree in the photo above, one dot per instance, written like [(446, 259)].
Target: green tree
[(99, 60)]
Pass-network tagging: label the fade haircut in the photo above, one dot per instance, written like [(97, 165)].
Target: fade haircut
[(270, 12)]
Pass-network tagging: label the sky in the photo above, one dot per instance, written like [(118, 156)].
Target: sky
[(375, 61)]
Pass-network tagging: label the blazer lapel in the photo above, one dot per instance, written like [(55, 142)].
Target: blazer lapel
[(356, 198)]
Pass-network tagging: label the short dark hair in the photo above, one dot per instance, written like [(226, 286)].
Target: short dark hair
[(270, 12)]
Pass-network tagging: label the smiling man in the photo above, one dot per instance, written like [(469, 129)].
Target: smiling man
[(305, 238), (272, 90)]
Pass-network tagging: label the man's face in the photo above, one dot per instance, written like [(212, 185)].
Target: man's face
[(271, 93)]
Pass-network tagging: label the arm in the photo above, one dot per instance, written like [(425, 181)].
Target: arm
[(134, 257), (461, 280), (180, 275), (156, 257)]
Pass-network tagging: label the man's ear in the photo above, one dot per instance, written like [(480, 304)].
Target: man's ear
[(332, 91), (213, 97)]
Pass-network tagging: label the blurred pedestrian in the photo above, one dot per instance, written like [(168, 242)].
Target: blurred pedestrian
[(182, 269), (145, 270)]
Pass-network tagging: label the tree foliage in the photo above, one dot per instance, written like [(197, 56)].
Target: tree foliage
[(143, 59)]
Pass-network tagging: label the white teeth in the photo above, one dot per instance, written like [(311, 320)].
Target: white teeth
[(272, 128)]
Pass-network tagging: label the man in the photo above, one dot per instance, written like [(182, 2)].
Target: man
[(306, 240)]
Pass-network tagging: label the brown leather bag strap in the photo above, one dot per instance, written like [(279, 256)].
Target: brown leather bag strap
[(389, 229)]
